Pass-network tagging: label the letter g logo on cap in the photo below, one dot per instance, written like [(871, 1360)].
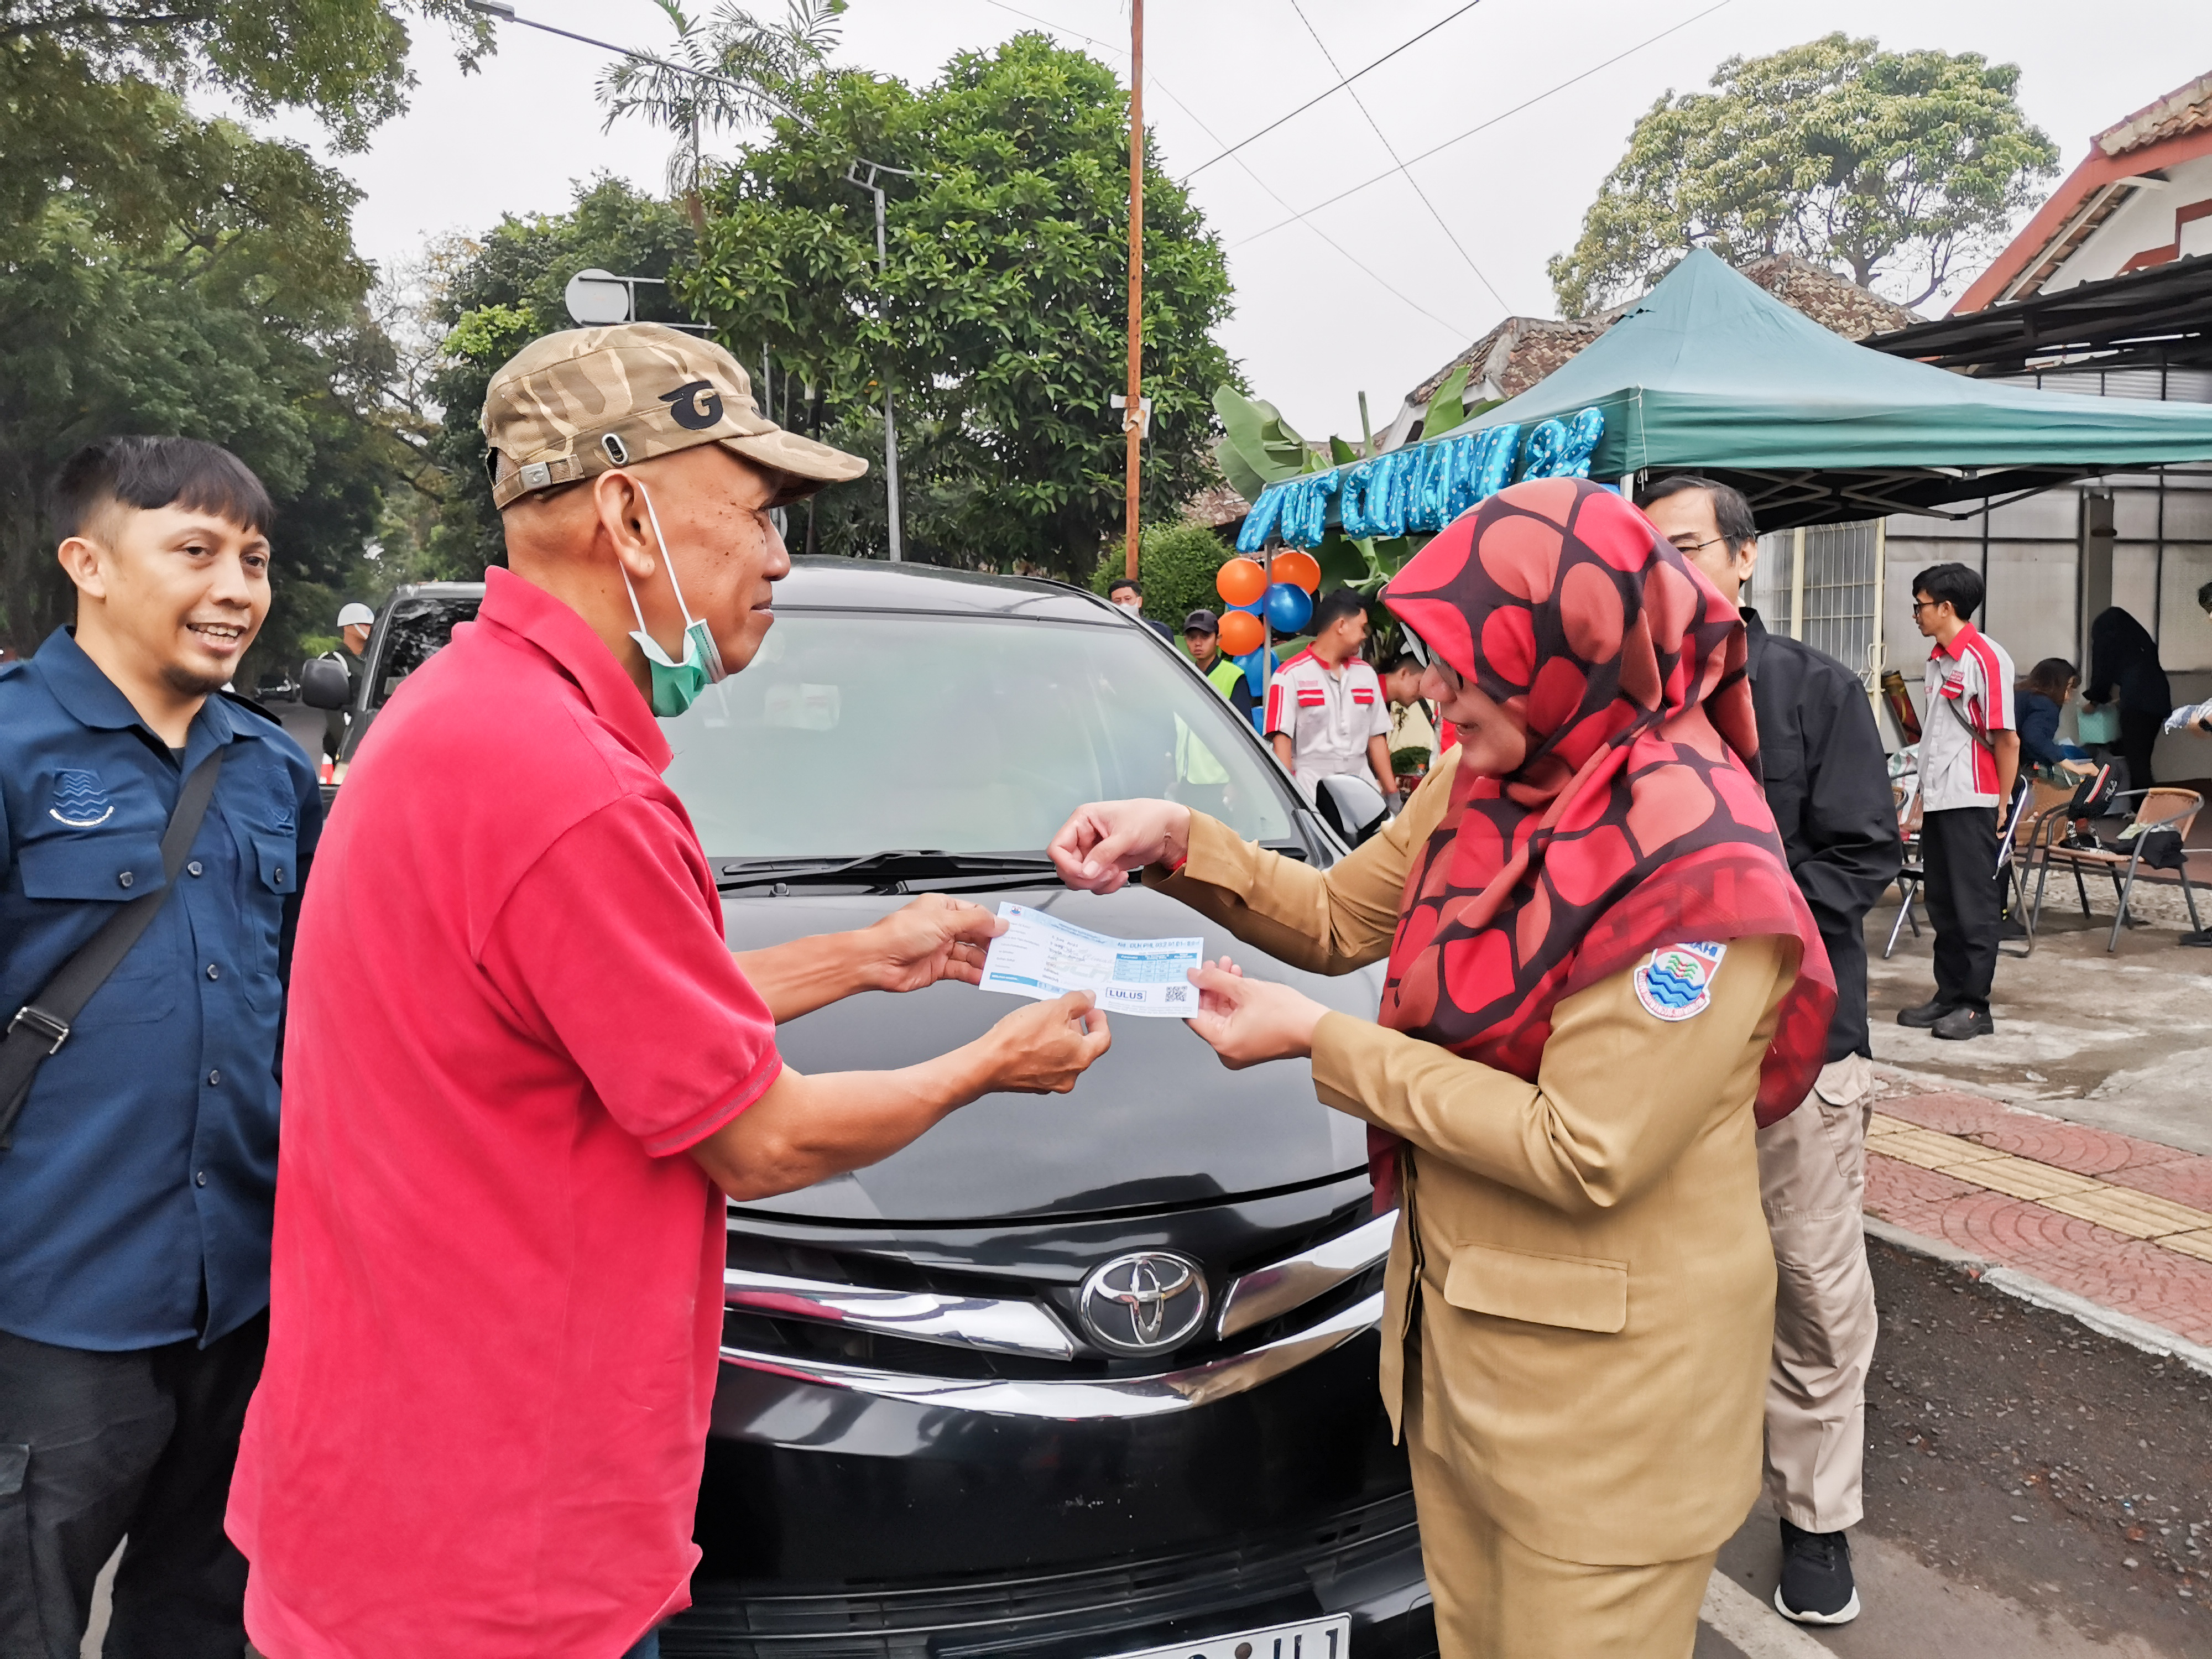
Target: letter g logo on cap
[(696, 405)]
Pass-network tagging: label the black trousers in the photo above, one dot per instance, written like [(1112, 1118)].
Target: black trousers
[(2138, 737), (1959, 845), (96, 1446)]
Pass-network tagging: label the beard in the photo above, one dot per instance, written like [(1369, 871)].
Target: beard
[(187, 683)]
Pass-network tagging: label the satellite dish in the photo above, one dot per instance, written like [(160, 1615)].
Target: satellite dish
[(597, 298)]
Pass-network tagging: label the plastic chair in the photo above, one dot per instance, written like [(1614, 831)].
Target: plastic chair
[(2159, 808), (2044, 823)]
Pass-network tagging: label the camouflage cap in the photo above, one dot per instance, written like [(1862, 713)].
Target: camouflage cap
[(570, 406)]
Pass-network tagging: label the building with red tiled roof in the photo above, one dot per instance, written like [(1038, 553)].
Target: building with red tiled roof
[(2141, 197)]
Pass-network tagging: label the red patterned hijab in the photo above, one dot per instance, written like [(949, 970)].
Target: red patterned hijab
[(1636, 819)]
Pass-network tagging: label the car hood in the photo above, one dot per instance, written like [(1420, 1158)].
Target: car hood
[(1158, 1122)]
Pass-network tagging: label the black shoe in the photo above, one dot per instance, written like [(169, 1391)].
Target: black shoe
[(1816, 1587), (1925, 1015), (1963, 1022)]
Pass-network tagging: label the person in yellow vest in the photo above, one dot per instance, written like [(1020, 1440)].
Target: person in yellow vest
[(1201, 637)]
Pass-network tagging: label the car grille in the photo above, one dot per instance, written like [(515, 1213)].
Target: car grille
[(885, 1326), (1088, 1612)]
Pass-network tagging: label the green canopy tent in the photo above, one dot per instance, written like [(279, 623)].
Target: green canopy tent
[(1708, 372)]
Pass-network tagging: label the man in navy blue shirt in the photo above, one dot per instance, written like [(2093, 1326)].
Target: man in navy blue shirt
[(136, 1196)]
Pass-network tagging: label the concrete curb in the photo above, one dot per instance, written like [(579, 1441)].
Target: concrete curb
[(2025, 1287)]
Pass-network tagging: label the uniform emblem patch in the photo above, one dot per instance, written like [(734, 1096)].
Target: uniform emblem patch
[(79, 801), (1677, 981)]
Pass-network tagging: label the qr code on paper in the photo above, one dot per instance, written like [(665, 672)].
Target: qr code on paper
[(1175, 993)]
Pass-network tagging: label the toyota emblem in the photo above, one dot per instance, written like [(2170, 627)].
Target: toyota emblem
[(1147, 1302)]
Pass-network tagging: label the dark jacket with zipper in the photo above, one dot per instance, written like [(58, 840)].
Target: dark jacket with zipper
[(1828, 781)]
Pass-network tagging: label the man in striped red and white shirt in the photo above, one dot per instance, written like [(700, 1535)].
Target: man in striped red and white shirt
[(1969, 760), (1326, 715)]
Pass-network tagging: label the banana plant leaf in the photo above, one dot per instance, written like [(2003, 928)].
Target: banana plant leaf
[(1258, 446)]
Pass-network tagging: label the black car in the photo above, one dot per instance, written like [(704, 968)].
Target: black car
[(1072, 1377)]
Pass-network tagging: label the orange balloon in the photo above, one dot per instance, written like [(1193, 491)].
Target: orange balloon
[(1299, 569), (1241, 582), (1241, 631)]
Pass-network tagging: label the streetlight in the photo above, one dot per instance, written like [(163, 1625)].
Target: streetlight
[(883, 266)]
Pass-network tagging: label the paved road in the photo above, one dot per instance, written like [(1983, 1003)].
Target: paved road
[(2034, 1490)]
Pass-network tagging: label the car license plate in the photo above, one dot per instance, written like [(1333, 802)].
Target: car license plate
[(1310, 1638)]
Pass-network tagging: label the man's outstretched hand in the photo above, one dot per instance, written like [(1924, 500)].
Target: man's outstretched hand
[(934, 938), (1097, 847), (1247, 1021), (1043, 1048)]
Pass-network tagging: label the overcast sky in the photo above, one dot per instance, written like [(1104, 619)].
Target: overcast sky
[(1311, 327)]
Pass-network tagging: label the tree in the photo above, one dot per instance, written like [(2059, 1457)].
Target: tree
[(999, 324), (162, 272), (742, 72), (1902, 167), (490, 298)]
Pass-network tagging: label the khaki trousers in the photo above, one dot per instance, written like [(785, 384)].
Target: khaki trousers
[(1497, 1599), (1811, 1175)]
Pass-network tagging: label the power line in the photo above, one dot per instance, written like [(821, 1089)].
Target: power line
[(1373, 275), (1391, 149), (1436, 149), (1318, 98)]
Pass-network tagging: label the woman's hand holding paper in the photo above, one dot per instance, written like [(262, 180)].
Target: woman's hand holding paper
[(1247, 1021)]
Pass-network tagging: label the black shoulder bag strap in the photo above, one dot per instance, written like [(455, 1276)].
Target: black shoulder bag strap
[(42, 1024)]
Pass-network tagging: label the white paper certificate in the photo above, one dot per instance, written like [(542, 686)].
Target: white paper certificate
[(1041, 956)]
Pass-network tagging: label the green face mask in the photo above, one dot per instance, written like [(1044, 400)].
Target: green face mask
[(676, 685)]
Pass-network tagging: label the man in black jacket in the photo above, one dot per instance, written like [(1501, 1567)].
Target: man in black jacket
[(1828, 782)]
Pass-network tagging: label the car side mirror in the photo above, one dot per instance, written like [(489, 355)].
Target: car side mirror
[(325, 685)]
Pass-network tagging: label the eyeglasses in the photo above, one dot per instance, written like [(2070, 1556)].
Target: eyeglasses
[(1919, 605), (1689, 550)]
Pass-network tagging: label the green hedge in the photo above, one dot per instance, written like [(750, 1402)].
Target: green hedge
[(1177, 562)]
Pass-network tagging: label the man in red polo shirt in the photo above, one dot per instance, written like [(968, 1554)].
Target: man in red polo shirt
[(520, 1061)]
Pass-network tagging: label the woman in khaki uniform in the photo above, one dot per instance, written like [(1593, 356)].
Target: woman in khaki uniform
[(1599, 967)]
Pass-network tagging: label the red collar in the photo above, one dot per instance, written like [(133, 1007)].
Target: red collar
[(1957, 649), (532, 616)]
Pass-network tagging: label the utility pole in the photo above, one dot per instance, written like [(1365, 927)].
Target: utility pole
[(1133, 415), (883, 265)]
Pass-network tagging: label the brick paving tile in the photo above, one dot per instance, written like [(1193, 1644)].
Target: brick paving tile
[(2196, 1244), (2186, 1179), (2139, 1215), (1915, 1198), (2122, 1221), (1947, 1113), (2022, 1177), (1933, 1151), (2166, 1287), (2074, 1146)]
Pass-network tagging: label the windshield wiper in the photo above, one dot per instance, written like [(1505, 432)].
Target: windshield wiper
[(885, 872)]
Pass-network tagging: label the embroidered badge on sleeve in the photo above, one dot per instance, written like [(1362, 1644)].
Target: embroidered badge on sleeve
[(1676, 980)]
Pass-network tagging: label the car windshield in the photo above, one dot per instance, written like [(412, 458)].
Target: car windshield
[(853, 732), (417, 631)]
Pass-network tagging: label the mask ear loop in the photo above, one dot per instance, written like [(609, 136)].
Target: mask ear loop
[(715, 672)]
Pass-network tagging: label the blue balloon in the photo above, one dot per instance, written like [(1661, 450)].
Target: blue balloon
[(1251, 610), (1288, 608)]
